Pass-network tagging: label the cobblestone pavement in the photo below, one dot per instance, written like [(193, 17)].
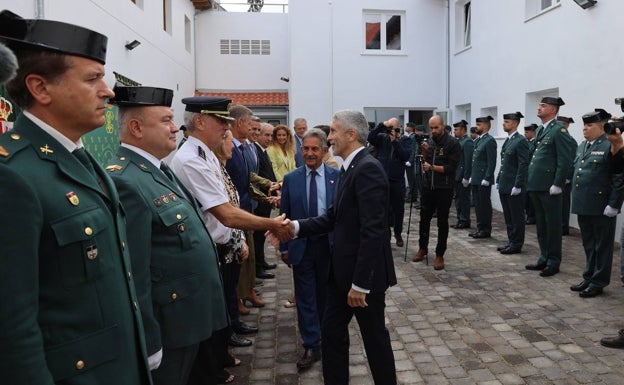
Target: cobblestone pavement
[(483, 320)]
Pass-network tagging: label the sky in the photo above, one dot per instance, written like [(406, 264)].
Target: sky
[(242, 6)]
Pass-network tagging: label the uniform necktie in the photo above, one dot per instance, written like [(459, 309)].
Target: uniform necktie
[(167, 171), (312, 197), (587, 147), (83, 157)]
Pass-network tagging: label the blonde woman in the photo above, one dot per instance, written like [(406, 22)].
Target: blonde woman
[(282, 152)]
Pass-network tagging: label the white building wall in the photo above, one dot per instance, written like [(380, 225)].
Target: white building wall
[(514, 56), (330, 70), (161, 60), (219, 72)]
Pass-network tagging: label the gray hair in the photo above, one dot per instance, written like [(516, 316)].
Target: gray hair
[(238, 111), (124, 115), (353, 120), (316, 133), (189, 120), (265, 125)]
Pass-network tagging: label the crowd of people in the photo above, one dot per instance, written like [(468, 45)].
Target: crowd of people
[(140, 271)]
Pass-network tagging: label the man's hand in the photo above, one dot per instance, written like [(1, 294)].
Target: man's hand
[(356, 299), (244, 252), (426, 166), (515, 191), (274, 187), (274, 201), (616, 141), (485, 183), (283, 229), (555, 190), (284, 256)]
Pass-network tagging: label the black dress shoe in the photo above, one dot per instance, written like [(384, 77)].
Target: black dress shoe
[(310, 356), (535, 266), (264, 275), (581, 286), (238, 341), (530, 221), (565, 231), (473, 233), (549, 271), (242, 328), (480, 235), (269, 266), (501, 248), (614, 342), (511, 250), (591, 292), (462, 226)]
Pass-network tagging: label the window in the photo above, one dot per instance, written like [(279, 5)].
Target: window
[(535, 8), (382, 31), (245, 47), (167, 15), (187, 33), (463, 25)]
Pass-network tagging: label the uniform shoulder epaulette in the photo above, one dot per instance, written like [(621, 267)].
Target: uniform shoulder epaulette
[(201, 152), (10, 144), (114, 167), (117, 164)]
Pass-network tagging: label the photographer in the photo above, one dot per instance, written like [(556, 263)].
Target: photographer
[(597, 195), (393, 150), (441, 157)]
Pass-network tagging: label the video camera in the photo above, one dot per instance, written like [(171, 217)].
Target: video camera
[(617, 123), (420, 138)]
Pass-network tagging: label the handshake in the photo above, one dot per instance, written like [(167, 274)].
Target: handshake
[(283, 230)]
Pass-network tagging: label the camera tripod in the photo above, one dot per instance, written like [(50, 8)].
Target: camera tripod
[(418, 165)]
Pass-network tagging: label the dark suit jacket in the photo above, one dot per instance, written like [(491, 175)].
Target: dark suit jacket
[(483, 160), (294, 204), (265, 170), (70, 314), (514, 164), (359, 219), (173, 256), (239, 172), (464, 168), (553, 155)]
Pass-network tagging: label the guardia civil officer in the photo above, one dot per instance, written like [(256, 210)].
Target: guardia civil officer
[(529, 134), (547, 173), (511, 182), (69, 313), (482, 176), (173, 256), (597, 196), (462, 175), (567, 189)]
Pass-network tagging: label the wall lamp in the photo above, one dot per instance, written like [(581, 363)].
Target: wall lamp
[(132, 44), (585, 3), (285, 79)]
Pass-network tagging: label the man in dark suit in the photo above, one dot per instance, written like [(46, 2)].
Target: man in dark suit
[(566, 196), (307, 192), (597, 196), (265, 170), (482, 176), (361, 267), (167, 236), (548, 169), (511, 182), (462, 175), (70, 314), (529, 134), (300, 128)]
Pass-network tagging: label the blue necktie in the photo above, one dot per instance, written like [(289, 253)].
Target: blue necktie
[(312, 197)]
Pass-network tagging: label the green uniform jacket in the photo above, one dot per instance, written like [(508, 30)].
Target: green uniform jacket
[(514, 164), (594, 185), (173, 257), (551, 159), (69, 313), (483, 160), (464, 168)]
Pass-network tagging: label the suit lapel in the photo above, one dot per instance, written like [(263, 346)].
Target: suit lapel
[(347, 177)]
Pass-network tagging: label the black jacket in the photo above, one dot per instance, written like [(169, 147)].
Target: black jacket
[(392, 155), (446, 152)]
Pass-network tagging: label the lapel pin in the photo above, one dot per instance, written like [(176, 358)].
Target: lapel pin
[(72, 198)]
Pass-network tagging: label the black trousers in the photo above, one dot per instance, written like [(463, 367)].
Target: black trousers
[(176, 365), (335, 338), (397, 205), (513, 210), (462, 203), (439, 201), (566, 197)]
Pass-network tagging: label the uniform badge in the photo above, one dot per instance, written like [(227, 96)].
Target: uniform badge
[(143, 166), (3, 151), (564, 130), (158, 202), (181, 228), (165, 199), (46, 150), (113, 167), (173, 197), (92, 252), (201, 152), (441, 151), (72, 198)]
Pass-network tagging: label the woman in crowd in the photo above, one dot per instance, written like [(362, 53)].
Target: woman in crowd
[(282, 152)]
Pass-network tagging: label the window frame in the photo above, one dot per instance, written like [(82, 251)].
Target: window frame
[(384, 16)]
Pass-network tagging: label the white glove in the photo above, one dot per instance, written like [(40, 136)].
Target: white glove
[(610, 211), (555, 190), (567, 181), (155, 359), (465, 182), (408, 164), (515, 191), (485, 183), (469, 180)]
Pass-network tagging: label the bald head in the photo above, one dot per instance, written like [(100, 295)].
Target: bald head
[(436, 125)]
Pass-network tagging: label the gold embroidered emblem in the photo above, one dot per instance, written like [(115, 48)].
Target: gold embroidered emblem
[(46, 150)]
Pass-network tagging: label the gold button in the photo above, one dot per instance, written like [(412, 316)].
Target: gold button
[(580, 169), (15, 136), (122, 158), (577, 185), (88, 230), (178, 216), (80, 364), (582, 161), (174, 296)]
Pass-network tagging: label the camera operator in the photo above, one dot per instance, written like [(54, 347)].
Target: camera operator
[(393, 150), (596, 199), (441, 157)]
